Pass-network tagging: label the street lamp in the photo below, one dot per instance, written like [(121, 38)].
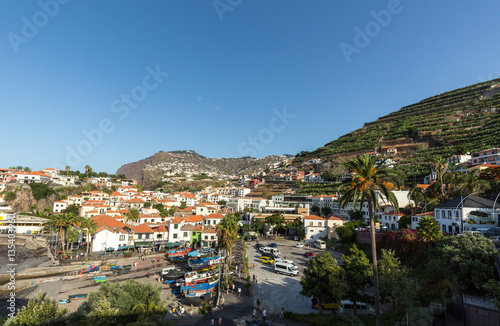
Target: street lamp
[(461, 217), (494, 208)]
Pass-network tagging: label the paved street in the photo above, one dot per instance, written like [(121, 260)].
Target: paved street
[(280, 290)]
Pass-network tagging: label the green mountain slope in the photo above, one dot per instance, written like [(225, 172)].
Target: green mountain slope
[(454, 122)]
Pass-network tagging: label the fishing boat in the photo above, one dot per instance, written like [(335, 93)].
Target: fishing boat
[(210, 268), (172, 276), (177, 258), (203, 262), (200, 287), (77, 296), (127, 266), (193, 254), (178, 252), (88, 269), (100, 279), (191, 278), (61, 301), (205, 251), (121, 271)]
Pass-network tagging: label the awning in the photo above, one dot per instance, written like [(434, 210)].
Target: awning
[(170, 245), (143, 244), (178, 244)]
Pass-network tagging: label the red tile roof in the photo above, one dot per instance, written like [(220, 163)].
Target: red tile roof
[(313, 217)]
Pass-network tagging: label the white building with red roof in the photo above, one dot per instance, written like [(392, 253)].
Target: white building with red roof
[(111, 234), (315, 227)]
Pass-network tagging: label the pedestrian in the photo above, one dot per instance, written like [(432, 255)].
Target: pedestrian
[(239, 292), (282, 314), (236, 267), (148, 274), (220, 321), (258, 304), (264, 314), (158, 259), (239, 272), (284, 256), (222, 303), (181, 311), (212, 321), (254, 278), (233, 288), (254, 313)]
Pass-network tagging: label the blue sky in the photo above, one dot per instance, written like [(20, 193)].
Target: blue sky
[(106, 83)]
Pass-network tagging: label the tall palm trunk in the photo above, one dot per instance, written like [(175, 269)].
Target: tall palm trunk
[(374, 259)]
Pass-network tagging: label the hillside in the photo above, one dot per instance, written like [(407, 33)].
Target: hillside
[(455, 122), (189, 163)]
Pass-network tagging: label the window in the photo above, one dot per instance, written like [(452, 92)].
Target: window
[(185, 234), (122, 238), (176, 226), (175, 235), (310, 223), (147, 235), (139, 236), (437, 214), (206, 237), (212, 237), (158, 236), (214, 222), (319, 223)]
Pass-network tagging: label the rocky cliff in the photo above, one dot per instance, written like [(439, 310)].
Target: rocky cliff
[(25, 198)]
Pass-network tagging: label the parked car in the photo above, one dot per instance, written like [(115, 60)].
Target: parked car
[(299, 245), (296, 238), (310, 254), (266, 260), (496, 240), (272, 245), (258, 246)]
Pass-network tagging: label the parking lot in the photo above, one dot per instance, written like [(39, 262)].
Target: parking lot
[(280, 290)]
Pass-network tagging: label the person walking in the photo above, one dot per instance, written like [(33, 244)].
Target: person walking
[(212, 322), (254, 313), (220, 321), (233, 289), (239, 272), (222, 303), (258, 304), (256, 278), (148, 274), (264, 314), (282, 314), (239, 292)]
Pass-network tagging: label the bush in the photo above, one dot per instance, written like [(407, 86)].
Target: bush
[(347, 234)]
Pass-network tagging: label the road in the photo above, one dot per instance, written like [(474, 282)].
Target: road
[(280, 290)]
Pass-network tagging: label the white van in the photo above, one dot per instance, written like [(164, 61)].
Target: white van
[(270, 250), (320, 244), (284, 261), (361, 308), (286, 268)]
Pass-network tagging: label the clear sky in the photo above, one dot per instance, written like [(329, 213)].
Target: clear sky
[(106, 83)]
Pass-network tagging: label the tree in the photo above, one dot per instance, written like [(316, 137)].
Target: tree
[(467, 261), (326, 211), (71, 236), (10, 197), (88, 169), (147, 205), (133, 215), (39, 310), (439, 165), (404, 221), (67, 169), (89, 228), (72, 209), (323, 279), (172, 210), (139, 188), (205, 310), (183, 205), (367, 179), (222, 202), (493, 290), (471, 183), (347, 233), (315, 209), (32, 209), (416, 194), (27, 169), (257, 224), (396, 284), (428, 229), (358, 274), (276, 221), (60, 223), (227, 230)]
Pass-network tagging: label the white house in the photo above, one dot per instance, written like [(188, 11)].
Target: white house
[(391, 219), (467, 213), (313, 177), (59, 206), (212, 219), (111, 234), (415, 219), (315, 227)]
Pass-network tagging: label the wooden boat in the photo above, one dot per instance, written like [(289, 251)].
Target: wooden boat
[(175, 253), (100, 279), (203, 262), (172, 276), (177, 258), (127, 266), (77, 296), (193, 253), (200, 287), (191, 278), (121, 271), (211, 268), (88, 269), (61, 301)]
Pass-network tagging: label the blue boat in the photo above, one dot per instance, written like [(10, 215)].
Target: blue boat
[(88, 270), (204, 262), (193, 254), (100, 279), (199, 288), (178, 258)]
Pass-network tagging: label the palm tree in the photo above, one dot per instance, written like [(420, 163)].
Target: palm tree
[(452, 179), (428, 229), (89, 228), (439, 165), (67, 169), (60, 223), (416, 194), (227, 230), (470, 183), (87, 169), (133, 215), (369, 180)]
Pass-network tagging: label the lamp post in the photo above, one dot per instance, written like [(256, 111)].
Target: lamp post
[(496, 219), (461, 217)]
